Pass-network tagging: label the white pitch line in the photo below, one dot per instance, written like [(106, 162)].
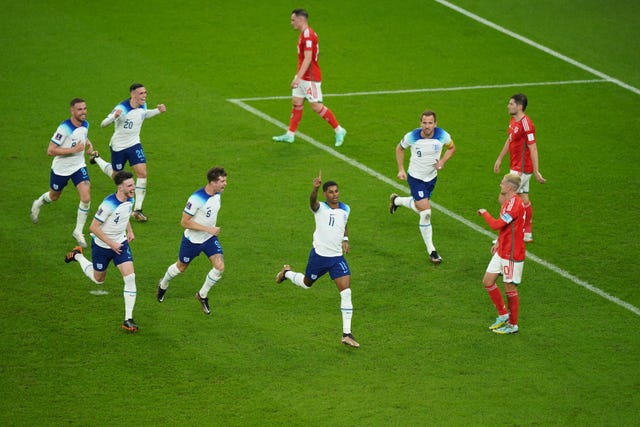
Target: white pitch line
[(436, 206), (539, 46), (436, 89)]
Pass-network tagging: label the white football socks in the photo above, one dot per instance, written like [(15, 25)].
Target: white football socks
[(141, 190), (426, 230), (169, 275), (129, 293), (212, 278), (81, 217), (347, 310), (296, 278)]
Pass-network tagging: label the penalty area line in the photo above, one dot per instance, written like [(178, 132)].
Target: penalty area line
[(435, 89), (447, 212)]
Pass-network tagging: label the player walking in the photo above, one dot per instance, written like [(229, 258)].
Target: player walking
[(306, 84)]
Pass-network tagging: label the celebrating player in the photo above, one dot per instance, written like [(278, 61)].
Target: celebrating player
[(113, 232), (67, 146), (125, 143), (330, 241), (426, 143), (200, 235)]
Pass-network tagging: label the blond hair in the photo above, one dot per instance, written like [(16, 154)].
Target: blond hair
[(513, 179)]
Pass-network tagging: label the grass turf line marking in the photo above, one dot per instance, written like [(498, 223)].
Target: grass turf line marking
[(539, 46), (436, 206), (434, 89)]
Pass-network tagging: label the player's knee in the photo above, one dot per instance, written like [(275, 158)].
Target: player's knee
[(425, 216)]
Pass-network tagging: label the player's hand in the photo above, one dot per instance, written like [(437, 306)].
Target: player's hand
[(80, 146), (439, 165), (215, 231), (317, 182), (116, 113), (481, 211), (345, 246), (496, 166), (494, 248), (402, 175), (539, 177), (162, 108), (117, 247)]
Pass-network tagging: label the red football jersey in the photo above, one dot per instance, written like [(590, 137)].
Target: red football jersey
[(308, 40), (511, 229), (522, 133)]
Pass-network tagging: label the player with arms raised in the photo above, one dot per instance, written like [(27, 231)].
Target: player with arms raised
[(125, 144)]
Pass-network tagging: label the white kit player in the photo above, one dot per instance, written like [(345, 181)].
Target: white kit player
[(330, 242), (112, 233), (200, 236), (125, 143), (426, 144), (68, 145)]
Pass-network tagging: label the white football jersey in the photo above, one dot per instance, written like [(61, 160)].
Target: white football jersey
[(68, 135), (114, 217), (204, 210), (425, 153), (128, 126), (330, 226)]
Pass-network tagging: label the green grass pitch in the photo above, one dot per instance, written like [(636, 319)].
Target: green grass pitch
[(270, 354)]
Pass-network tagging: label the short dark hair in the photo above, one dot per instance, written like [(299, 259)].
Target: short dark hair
[(75, 101), (122, 176), (135, 86), (521, 99), (328, 184), (300, 12), (428, 113), (215, 172)]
